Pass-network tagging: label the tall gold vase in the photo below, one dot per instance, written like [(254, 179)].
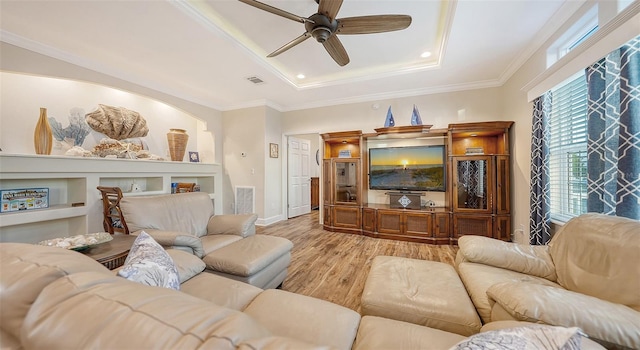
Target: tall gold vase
[(177, 139), (42, 136)]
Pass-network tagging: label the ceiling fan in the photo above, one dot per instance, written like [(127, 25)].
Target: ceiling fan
[(324, 26)]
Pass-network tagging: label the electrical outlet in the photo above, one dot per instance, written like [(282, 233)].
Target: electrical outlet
[(135, 187)]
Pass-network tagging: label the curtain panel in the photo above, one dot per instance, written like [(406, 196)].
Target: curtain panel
[(540, 216), (613, 126)]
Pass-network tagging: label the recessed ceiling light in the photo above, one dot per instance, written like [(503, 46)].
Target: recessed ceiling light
[(300, 76), (425, 54)]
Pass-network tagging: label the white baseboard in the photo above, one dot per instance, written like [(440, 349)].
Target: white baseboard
[(271, 220)]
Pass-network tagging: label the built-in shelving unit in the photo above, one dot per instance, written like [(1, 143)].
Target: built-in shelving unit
[(476, 200), (75, 205)]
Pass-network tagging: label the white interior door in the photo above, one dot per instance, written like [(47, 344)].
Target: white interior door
[(299, 178)]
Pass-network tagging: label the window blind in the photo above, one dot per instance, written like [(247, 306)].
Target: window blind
[(568, 149)]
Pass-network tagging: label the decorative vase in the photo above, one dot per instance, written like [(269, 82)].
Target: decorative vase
[(177, 139), (42, 136)]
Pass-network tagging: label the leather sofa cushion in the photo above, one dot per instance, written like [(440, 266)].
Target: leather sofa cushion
[(26, 269), (248, 256), (279, 343), (600, 319), (527, 259), (312, 320), (220, 290), (188, 265), (270, 277), (377, 333), (423, 292), (477, 278), (215, 242), (167, 212), (89, 311), (240, 224), (598, 255)]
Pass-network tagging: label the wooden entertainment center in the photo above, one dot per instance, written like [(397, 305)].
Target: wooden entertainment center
[(477, 186)]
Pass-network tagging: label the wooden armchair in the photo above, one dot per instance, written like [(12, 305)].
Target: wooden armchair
[(113, 218)]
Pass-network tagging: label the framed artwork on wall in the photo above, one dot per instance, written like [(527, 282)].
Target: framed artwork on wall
[(273, 150), (194, 157)]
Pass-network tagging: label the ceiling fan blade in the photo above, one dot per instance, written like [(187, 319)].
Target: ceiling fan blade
[(329, 8), (372, 24), (290, 44), (275, 11), (336, 50)]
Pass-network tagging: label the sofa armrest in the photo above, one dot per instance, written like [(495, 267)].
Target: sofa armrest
[(243, 225), (609, 322), (527, 259), (177, 240)]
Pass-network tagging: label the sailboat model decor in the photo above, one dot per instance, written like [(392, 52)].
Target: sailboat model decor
[(415, 116), (389, 122)]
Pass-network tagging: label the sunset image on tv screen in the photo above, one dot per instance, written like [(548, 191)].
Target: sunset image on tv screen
[(418, 168)]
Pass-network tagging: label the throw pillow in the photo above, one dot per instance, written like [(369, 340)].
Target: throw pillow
[(531, 337), (148, 263)]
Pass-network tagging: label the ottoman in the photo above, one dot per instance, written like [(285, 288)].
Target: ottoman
[(422, 292), (258, 260)]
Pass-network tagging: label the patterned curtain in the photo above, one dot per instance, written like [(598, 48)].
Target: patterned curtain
[(613, 124), (540, 221)]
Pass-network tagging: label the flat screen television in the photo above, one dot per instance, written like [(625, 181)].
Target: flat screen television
[(411, 168)]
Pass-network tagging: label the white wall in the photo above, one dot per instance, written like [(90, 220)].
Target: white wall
[(274, 202), (244, 156), (438, 110)]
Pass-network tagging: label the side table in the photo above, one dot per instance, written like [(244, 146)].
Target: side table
[(112, 254)]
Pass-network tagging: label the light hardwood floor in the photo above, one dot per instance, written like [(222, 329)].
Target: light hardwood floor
[(333, 266)]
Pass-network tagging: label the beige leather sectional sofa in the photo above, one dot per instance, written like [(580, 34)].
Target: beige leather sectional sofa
[(60, 299), (52, 298), (227, 244), (588, 276)]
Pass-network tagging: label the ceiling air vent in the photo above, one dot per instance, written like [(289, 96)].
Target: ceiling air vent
[(255, 80)]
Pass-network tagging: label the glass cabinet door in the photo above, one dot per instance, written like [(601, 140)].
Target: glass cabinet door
[(472, 187), (346, 175)]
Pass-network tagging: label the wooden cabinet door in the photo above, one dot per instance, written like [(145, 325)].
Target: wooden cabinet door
[(441, 225), (469, 224), (368, 220), (389, 221), (326, 216), (346, 181), (503, 185), (315, 193), (473, 184), (347, 218), (417, 224), (502, 227), (327, 182)]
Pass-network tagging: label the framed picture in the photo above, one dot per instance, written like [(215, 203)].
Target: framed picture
[(344, 153), (273, 150), (194, 157)]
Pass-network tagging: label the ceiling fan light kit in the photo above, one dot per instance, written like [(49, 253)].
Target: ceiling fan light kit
[(324, 26)]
